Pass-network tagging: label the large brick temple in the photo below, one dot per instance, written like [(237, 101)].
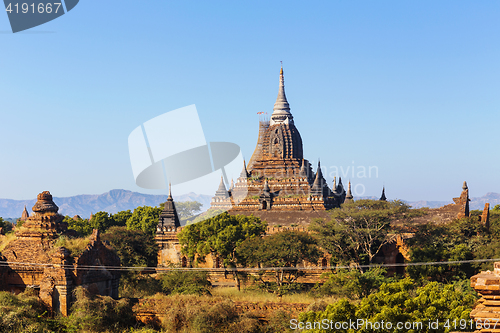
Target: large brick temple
[(278, 178)]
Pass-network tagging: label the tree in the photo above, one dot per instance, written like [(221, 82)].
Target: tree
[(5, 225), (284, 250), (120, 218), (134, 247), (357, 232), (455, 241), (101, 221), (352, 283), (185, 282), (220, 236), (401, 302), (81, 226), (144, 218)]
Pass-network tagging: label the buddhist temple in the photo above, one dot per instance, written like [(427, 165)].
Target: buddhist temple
[(278, 178), (169, 249), (35, 260)]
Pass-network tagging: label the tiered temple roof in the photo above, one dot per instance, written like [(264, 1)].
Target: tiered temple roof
[(278, 177)]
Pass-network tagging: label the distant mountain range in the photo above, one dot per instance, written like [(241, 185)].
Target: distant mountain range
[(118, 200), (111, 202)]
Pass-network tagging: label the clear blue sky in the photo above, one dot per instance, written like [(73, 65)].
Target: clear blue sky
[(411, 87)]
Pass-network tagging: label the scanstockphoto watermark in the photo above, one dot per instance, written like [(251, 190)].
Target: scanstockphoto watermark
[(362, 324)]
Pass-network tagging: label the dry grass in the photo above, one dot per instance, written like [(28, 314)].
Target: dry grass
[(5, 240), (246, 295), (75, 246)]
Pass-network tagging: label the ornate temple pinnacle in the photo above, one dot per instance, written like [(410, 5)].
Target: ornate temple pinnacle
[(464, 187), (170, 192), (281, 110)]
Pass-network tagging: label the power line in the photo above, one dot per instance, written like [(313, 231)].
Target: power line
[(13, 264)]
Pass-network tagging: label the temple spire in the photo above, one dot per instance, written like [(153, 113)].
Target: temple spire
[(348, 196), (383, 198), (317, 187), (281, 110), (244, 172), (25, 214), (170, 192), (169, 219), (303, 170), (334, 186), (221, 191)]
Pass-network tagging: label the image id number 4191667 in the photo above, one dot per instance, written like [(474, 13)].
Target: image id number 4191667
[(41, 8)]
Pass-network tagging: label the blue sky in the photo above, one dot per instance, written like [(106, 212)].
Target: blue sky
[(412, 88)]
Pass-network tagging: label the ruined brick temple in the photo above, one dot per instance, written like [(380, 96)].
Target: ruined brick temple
[(33, 260)]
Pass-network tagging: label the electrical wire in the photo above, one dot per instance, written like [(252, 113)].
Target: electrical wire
[(13, 264)]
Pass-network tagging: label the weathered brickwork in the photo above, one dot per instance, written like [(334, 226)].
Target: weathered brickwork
[(278, 178), (35, 261), (486, 314)]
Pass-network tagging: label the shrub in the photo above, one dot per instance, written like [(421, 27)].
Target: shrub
[(75, 246), (186, 282), (23, 313), (136, 285), (352, 283), (98, 314)]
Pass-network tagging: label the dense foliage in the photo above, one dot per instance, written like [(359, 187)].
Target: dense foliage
[(285, 250), (185, 282), (352, 284), (134, 247), (401, 302), (462, 239), (220, 236), (357, 232)]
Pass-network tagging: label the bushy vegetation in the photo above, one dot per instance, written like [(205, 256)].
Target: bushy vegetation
[(202, 314), (98, 314), (23, 313), (185, 282), (401, 301), (462, 239), (75, 246), (353, 236), (351, 284)]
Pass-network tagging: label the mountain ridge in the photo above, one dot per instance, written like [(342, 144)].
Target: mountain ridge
[(117, 200), (112, 202)]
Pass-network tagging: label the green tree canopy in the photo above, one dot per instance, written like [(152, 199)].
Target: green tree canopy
[(134, 247), (81, 226), (352, 283), (144, 218), (358, 231), (220, 236), (458, 240), (101, 221), (185, 282), (401, 301), (5, 225), (286, 250), (120, 218)]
